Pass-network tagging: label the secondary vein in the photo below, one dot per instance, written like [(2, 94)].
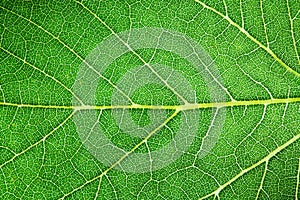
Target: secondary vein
[(124, 156), (268, 50), (263, 160)]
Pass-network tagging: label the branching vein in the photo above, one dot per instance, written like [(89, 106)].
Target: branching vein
[(43, 72), (38, 142), (265, 159), (124, 156), (264, 23), (133, 51), (292, 31), (176, 108), (262, 180), (269, 51), (71, 50)]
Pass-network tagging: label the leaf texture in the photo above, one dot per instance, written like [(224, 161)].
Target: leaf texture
[(149, 99)]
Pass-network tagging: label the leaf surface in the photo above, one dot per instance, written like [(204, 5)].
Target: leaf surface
[(149, 99)]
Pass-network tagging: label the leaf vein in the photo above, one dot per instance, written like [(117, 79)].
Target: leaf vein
[(265, 159), (123, 157), (268, 50), (39, 141), (292, 31), (160, 107), (70, 49), (133, 51), (43, 72)]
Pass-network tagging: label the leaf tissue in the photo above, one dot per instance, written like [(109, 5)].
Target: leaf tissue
[(150, 99)]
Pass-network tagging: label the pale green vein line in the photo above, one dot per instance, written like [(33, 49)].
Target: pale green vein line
[(2, 92), (225, 6), (71, 50), (124, 156), (36, 106), (8, 149), (292, 31), (264, 23), (242, 15), (98, 189), (269, 51), (255, 81), (43, 72), (265, 159), (262, 180), (134, 52), (161, 107), (38, 142), (298, 181)]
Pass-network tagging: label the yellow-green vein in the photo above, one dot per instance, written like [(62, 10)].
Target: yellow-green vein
[(70, 49), (124, 156), (268, 50), (265, 159), (43, 72), (133, 51), (292, 31), (161, 107), (38, 142)]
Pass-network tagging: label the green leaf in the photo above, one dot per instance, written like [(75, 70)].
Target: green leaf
[(150, 99)]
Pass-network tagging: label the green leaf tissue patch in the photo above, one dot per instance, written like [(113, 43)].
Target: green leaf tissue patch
[(150, 99)]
